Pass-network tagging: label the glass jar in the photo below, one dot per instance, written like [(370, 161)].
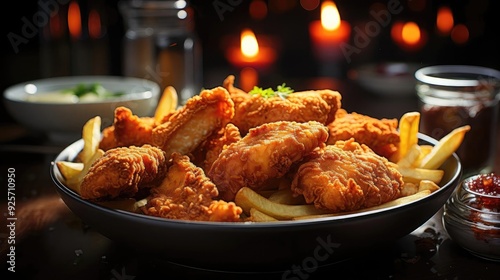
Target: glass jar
[(455, 95), (160, 45), (472, 215)]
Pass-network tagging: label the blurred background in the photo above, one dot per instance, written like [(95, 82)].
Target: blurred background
[(49, 38)]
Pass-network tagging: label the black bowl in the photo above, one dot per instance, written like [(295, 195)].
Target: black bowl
[(272, 246)]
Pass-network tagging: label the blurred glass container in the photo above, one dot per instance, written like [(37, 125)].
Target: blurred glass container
[(160, 45), (455, 95), (471, 215)]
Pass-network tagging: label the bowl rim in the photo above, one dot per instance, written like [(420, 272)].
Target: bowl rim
[(55, 175), (12, 93)]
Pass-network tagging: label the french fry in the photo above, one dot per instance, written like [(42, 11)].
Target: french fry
[(409, 189), (444, 148), (415, 175), (167, 104), (91, 135), (247, 199), (257, 216), (75, 182), (410, 158), (408, 132), (427, 185), (69, 169), (285, 196), (392, 203), (424, 151)]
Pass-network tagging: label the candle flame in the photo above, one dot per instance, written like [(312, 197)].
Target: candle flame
[(74, 20), (249, 44), (444, 20), (330, 17), (410, 33)]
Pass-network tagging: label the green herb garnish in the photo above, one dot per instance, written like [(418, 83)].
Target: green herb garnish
[(97, 89), (282, 91)]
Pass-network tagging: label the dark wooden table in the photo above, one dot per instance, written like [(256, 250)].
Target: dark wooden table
[(52, 243)]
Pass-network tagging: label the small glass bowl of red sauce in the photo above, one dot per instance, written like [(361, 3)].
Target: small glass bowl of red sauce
[(472, 215)]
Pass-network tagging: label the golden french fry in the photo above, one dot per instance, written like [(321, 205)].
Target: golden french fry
[(427, 185), (424, 150), (69, 169), (257, 216), (409, 189), (91, 135), (408, 132), (411, 157), (167, 104), (75, 182), (415, 175), (396, 202), (444, 148), (285, 196), (247, 199)]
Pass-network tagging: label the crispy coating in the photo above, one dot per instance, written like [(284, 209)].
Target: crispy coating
[(237, 95), (381, 135), (211, 149), (123, 172), (189, 126), (187, 194), (265, 153), (127, 130), (314, 105), (347, 176)]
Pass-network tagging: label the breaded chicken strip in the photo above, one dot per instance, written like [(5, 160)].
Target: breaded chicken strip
[(209, 151), (127, 130), (187, 194), (123, 172), (237, 95), (314, 105), (265, 153), (189, 126), (381, 135), (347, 176)]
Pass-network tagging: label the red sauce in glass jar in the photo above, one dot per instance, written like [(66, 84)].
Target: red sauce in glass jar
[(487, 200)]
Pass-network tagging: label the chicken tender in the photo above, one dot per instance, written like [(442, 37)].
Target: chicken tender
[(380, 135), (123, 172), (127, 130), (189, 126), (187, 194), (314, 105), (265, 153), (347, 176)]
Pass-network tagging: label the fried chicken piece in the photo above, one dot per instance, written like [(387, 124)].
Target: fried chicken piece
[(123, 172), (347, 176), (189, 126), (314, 105), (381, 135), (127, 130), (267, 152), (237, 95), (187, 194), (210, 150)]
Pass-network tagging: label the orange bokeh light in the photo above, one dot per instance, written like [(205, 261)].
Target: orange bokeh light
[(248, 43), (410, 33), (95, 29), (460, 34), (444, 20), (74, 20), (258, 9)]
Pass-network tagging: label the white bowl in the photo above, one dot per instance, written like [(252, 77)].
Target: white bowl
[(390, 79), (63, 122)]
